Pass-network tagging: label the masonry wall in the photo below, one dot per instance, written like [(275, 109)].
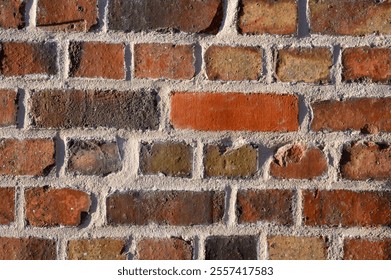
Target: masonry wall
[(189, 129)]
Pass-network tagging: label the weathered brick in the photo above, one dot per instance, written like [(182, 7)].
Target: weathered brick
[(231, 248), (170, 159), (350, 17), (221, 161), (368, 64), (27, 249), (346, 208), (266, 16), (296, 248), (96, 249), (352, 114), (273, 206), (25, 58), (12, 13), (363, 161), (7, 206), (191, 16), (79, 108), (93, 157), (67, 15), (97, 60), (234, 111), (164, 249), (164, 61), (361, 249), (304, 65), (233, 63), (8, 107), (53, 207), (178, 208), (33, 157), (298, 162)]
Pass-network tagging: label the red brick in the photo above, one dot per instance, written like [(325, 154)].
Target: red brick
[(24, 58), (352, 114), (304, 65), (177, 208), (266, 16), (8, 107), (53, 207), (7, 206), (350, 17), (27, 249), (164, 61), (369, 64), (97, 60), (12, 13), (234, 111), (298, 162), (346, 208), (96, 249), (273, 206), (361, 249), (164, 249), (33, 157), (67, 15), (233, 63), (363, 161)]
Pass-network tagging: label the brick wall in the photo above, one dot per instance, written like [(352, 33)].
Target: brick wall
[(186, 129)]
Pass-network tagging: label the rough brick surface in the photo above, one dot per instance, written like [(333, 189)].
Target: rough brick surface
[(273, 206), (169, 158), (298, 162), (363, 161), (221, 161), (77, 108), (233, 63), (191, 16), (53, 207), (350, 17), (304, 65), (33, 157), (346, 208), (231, 248), (7, 206), (164, 249), (8, 107), (67, 15), (164, 61), (353, 114), (27, 249), (177, 208), (97, 60), (265, 16), (234, 111), (96, 249), (93, 157), (368, 64), (361, 249), (22, 58), (12, 13), (296, 248)]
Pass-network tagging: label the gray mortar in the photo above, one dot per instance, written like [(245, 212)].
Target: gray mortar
[(130, 179)]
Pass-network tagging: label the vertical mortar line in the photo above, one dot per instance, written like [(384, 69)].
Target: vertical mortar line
[(334, 155), (335, 250), (199, 62), (31, 14), (263, 254), (131, 156), (164, 107), (303, 29), (103, 15), (60, 145), (198, 167), (201, 247), (337, 69), (64, 61), (305, 114), (230, 17), (231, 211), (128, 61), (269, 63), (21, 112), (298, 208), (133, 247), (62, 249), (19, 205)]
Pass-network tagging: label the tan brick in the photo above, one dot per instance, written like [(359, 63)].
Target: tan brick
[(96, 249), (164, 249)]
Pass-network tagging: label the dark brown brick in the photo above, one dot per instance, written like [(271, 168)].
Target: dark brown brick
[(231, 248), (12, 13), (96, 249), (8, 107), (7, 206), (362, 249), (273, 206), (164, 249), (178, 208), (27, 249), (170, 159), (78, 108)]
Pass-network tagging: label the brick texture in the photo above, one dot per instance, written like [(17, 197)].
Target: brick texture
[(12, 14), (34, 157), (179, 208), (54, 207), (8, 107), (27, 249), (164, 249), (361, 249), (96, 249), (234, 111), (346, 208), (7, 206), (231, 248)]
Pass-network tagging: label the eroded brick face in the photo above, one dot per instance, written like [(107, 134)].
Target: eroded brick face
[(96, 249), (231, 248), (27, 249), (12, 13), (164, 249)]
